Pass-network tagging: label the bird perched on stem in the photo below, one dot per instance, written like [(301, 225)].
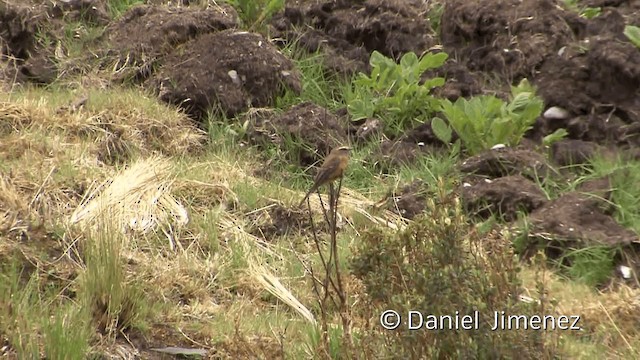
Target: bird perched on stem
[(332, 168)]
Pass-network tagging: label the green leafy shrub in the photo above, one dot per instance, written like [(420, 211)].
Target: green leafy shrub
[(584, 11), (394, 92), (439, 265), (484, 121), (633, 34), (554, 137)]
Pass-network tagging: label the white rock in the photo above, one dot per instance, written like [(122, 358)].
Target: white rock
[(626, 271), (562, 51), (498, 146), (234, 76), (556, 113)]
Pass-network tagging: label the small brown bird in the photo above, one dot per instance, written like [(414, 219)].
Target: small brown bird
[(333, 168)]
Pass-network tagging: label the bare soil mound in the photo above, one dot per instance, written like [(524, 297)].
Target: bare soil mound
[(501, 162), (23, 60), (348, 31), (598, 82), (508, 37), (576, 220), (586, 66), (228, 71), (159, 29), (317, 129), (409, 201), (506, 196)]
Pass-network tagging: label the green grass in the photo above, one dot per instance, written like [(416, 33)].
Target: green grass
[(29, 308), (624, 175), (318, 86), (116, 8)]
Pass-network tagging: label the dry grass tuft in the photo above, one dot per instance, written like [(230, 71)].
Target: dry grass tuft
[(13, 207), (139, 200), (273, 285), (113, 121)]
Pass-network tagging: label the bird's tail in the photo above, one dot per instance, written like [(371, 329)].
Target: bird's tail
[(306, 196)]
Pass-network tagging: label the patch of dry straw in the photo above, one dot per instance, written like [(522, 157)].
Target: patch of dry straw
[(138, 200)]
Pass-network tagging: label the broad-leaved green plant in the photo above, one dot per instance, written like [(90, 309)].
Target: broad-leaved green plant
[(394, 92), (484, 121)]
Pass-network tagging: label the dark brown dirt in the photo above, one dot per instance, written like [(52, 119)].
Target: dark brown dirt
[(159, 30), (368, 130), (92, 12), (460, 81), (18, 27), (575, 63), (392, 154), (227, 71), (407, 147), (279, 221), (573, 152), (575, 221), (30, 31), (317, 129), (598, 82), (23, 58), (505, 197), (510, 38), (599, 190), (348, 31), (408, 201), (508, 161)]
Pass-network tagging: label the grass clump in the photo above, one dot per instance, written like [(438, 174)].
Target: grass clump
[(116, 8), (35, 321), (116, 303), (255, 13), (624, 176), (440, 265), (592, 265)]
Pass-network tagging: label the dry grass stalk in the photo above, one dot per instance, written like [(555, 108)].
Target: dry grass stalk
[(139, 199), (273, 285)]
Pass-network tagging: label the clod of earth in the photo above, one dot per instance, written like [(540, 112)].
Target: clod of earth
[(159, 30), (371, 128), (505, 196), (507, 161), (424, 134), (196, 76), (573, 152), (90, 11), (508, 37), (598, 81), (348, 31), (393, 153), (408, 201), (576, 220), (600, 190), (312, 125)]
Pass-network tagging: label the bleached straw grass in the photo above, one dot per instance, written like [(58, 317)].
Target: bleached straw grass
[(273, 285), (138, 199)]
